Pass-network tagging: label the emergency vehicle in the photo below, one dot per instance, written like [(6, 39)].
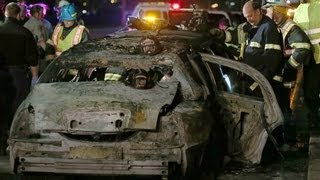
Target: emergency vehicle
[(151, 11)]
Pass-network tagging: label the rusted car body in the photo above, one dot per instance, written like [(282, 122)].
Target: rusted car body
[(77, 121)]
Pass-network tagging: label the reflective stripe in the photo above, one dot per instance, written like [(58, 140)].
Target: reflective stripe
[(55, 34), (301, 45), (242, 36), (228, 36), (272, 46), (289, 24), (254, 86), (255, 44), (312, 31), (293, 62), (112, 77), (78, 35), (277, 78), (289, 84), (242, 48), (232, 45), (315, 41)]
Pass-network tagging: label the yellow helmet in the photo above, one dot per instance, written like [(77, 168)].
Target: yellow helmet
[(281, 3), (278, 5)]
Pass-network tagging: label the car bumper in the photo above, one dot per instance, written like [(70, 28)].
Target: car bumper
[(127, 159), (94, 167)]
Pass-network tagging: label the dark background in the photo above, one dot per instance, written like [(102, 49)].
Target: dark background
[(114, 12)]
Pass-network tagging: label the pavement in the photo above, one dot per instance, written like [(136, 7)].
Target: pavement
[(313, 163), (314, 155), (4, 165)]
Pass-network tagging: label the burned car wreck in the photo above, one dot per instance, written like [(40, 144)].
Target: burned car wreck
[(140, 103)]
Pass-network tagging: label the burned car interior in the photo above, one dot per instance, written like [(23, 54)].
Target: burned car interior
[(137, 78)]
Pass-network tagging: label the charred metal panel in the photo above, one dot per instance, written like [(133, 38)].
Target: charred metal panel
[(111, 153), (242, 118), (196, 120), (102, 167), (247, 118), (57, 104)]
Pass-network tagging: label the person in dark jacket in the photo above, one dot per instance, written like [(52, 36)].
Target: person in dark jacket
[(297, 56), (262, 44), (263, 50), (19, 51)]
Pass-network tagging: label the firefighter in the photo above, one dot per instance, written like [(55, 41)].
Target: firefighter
[(306, 16), (297, 53), (261, 44), (68, 33)]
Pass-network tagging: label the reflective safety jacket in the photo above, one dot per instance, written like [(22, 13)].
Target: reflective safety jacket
[(72, 38), (236, 39), (307, 17), (263, 49), (242, 36), (296, 44)]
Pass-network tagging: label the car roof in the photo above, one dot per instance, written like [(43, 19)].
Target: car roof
[(117, 45)]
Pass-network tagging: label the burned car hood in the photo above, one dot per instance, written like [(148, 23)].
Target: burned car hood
[(98, 106)]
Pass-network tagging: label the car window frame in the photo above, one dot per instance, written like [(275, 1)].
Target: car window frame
[(268, 94)]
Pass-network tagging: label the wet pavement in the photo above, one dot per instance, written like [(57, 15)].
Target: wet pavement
[(314, 155), (303, 164), (293, 167)]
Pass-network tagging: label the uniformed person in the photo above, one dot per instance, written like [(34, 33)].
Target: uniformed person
[(68, 33), (307, 17), (261, 43), (297, 53)]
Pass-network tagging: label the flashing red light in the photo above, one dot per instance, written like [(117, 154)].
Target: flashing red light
[(175, 5)]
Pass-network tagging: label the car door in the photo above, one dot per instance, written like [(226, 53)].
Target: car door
[(248, 119)]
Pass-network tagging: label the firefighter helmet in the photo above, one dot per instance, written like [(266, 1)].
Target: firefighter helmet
[(281, 3), (62, 3), (279, 6), (68, 13)]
